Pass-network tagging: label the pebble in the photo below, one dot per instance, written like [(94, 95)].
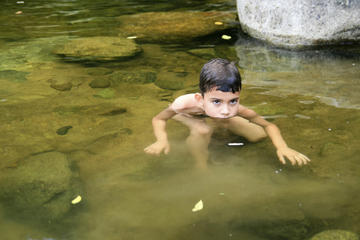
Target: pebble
[(63, 130)]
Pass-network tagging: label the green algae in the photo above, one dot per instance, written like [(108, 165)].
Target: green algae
[(13, 76)]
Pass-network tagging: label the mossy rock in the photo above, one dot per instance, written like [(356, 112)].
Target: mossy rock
[(106, 93), (205, 53), (13, 75), (100, 83), (40, 187), (99, 49), (175, 79), (335, 235), (174, 26), (118, 77)]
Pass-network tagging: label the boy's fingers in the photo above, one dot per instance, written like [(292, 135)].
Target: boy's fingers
[(281, 158), (292, 160), (306, 158), (299, 160), (167, 150), (305, 161)]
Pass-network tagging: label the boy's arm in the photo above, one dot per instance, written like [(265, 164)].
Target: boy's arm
[(274, 133), (159, 125)]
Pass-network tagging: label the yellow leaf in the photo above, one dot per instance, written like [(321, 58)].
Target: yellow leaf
[(198, 206), (76, 200), (226, 37)]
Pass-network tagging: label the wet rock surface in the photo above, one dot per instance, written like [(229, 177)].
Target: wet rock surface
[(132, 77), (314, 22), (41, 186), (100, 83), (174, 26), (99, 49), (335, 235), (13, 75)]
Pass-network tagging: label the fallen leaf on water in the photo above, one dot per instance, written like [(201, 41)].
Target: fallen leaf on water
[(218, 23), (198, 206), (226, 37), (76, 200)]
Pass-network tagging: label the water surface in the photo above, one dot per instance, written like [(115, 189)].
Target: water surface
[(311, 95)]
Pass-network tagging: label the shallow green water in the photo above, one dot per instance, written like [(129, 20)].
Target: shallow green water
[(311, 95)]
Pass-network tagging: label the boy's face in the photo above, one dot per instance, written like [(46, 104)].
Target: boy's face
[(218, 104)]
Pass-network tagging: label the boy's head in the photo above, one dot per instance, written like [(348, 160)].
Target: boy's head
[(220, 73), (220, 85)]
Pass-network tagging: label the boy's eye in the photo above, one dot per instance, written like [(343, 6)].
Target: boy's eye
[(216, 101), (233, 101)]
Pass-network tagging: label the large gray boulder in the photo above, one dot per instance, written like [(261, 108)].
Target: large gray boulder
[(297, 24), (41, 187)]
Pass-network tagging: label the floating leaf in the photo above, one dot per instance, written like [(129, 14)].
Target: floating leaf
[(76, 200), (226, 37), (218, 23), (198, 206)]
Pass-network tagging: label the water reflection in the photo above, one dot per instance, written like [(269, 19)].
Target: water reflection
[(331, 74)]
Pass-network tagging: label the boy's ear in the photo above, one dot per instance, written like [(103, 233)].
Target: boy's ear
[(198, 97)]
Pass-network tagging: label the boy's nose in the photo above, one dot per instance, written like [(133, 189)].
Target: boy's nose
[(225, 110)]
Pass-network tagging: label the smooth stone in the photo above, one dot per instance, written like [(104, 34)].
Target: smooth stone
[(63, 130), (61, 84), (106, 93), (205, 53), (114, 112), (335, 235), (132, 77), (39, 187), (99, 49), (174, 26), (127, 131), (171, 80), (13, 75), (313, 23), (100, 83)]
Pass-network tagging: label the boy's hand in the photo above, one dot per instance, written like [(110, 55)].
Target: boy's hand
[(158, 147), (292, 155)]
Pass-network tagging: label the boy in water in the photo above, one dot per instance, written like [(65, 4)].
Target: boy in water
[(220, 85)]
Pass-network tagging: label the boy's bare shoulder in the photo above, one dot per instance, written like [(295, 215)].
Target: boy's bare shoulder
[(183, 102)]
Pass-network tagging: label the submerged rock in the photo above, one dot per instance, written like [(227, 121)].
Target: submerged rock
[(40, 187), (132, 77), (174, 26), (63, 130), (13, 75), (335, 235), (106, 93), (173, 79), (99, 49), (61, 85), (100, 83), (205, 53), (313, 22)]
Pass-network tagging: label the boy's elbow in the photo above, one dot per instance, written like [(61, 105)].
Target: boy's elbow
[(157, 119)]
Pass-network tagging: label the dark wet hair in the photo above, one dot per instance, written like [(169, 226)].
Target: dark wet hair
[(220, 73)]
